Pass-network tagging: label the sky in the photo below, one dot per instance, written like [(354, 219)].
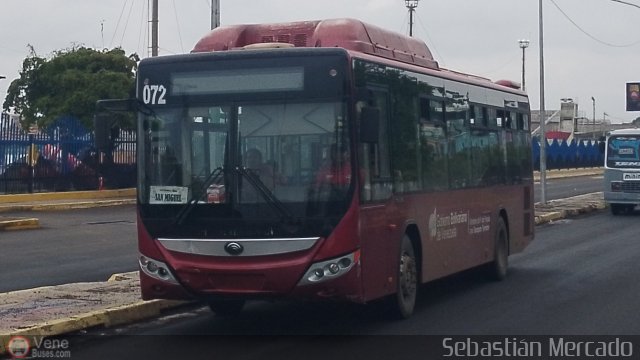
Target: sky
[(591, 47)]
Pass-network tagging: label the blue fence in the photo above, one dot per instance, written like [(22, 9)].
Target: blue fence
[(62, 158), (566, 155)]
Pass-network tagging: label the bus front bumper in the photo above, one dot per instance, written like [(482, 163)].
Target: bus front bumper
[(338, 278)]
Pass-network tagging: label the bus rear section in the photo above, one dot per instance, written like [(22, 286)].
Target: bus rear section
[(622, 170)]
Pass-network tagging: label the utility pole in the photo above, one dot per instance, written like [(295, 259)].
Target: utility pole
[(543, 115), (411, 5), (154, 29), (215, 14)]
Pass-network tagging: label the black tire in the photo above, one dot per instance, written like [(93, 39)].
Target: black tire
[(226, 307), (404, 300), (497, 269), (617, 209)]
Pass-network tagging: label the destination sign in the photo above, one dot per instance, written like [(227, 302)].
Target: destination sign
[(168, 195)]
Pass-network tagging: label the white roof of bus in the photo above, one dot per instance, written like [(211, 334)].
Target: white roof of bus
[(631, 131)]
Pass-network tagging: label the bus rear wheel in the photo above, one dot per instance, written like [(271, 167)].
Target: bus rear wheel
[(497, 269), (226, 307), (404, 301)]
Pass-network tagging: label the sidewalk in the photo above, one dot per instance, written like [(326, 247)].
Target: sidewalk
[(56, 310)]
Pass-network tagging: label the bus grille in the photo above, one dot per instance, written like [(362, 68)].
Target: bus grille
[(631, 186)]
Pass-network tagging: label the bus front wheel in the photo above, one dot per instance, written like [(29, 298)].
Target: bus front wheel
[(498, 267), (617, 209), (404, 301), (226, 307)]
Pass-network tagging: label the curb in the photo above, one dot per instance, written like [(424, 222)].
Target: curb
[(549, 217), (80, 195), (577, 205), (19, 224), (567, 173), (108, 317), (66, 205)]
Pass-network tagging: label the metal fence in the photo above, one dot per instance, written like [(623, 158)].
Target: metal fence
[(62, 157), (561, 154)]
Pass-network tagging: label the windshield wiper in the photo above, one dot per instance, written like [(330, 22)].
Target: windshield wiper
[(265, 192), (184, 212)]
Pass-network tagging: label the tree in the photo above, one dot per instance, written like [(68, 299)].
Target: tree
[(70, 83)]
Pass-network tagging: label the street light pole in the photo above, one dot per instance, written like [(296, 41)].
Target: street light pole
[(543, 117), (154, 28), (594, 114), (411, 5), (523, 45), (215, 14)]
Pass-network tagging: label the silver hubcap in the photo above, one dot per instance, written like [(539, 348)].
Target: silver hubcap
[(407, 276)]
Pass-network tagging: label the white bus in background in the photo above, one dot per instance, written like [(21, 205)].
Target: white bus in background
[(622, 170)]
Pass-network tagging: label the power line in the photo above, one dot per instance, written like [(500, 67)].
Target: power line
[(124, 6), (126, 24), (588, 34), (142, 34), (432, 44), (175, 12)]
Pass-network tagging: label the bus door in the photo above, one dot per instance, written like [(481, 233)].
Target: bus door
[(379, 220)]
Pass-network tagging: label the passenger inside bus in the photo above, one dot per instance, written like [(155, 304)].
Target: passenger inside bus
[(263, 171), (336, 169)]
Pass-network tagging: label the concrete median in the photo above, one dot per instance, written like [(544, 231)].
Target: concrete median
[(63, 309)]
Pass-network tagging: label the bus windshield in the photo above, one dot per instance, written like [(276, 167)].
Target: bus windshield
[(287, 157), (623, 151)]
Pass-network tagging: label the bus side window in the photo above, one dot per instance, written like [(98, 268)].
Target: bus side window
[(433, 148), (374, 157)]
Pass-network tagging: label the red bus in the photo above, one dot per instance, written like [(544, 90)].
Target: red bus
[(324, 160)]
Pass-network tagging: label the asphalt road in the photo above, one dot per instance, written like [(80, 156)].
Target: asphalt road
[(559, 188), (71, 246), (579, 277)]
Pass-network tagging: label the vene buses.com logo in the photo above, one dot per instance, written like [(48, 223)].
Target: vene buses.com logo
[(18, 347)]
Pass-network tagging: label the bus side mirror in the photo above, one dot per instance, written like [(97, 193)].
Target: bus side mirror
[(369, 124), (102, 131), (117, 105)]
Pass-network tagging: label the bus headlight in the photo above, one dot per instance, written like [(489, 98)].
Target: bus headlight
[(156, 269), (616, 186), (329, 269)]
